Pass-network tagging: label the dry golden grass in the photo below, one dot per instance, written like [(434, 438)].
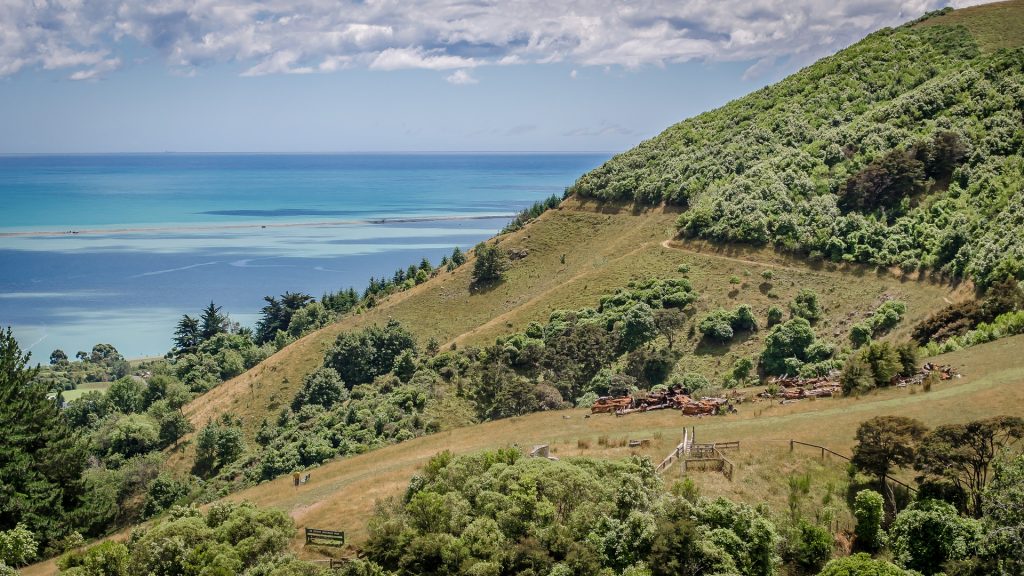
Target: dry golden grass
[(994, 26)]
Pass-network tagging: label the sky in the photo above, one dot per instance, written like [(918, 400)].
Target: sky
[(103, 76)]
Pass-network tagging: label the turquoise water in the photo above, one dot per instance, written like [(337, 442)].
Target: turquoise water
[(114, 248)]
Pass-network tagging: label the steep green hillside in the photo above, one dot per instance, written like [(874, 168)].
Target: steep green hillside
[(902, 150)]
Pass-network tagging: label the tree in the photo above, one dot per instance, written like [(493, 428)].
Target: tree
[(717, 326), (885, 443), (126, 395), (962, 454), (908, 358), (637, 326), (127, 435), (930, 533), (323, 387), (277, 314), (787, 340), (741, 368), (856, 376), (884, 182), (668, 321), (41, 456), (219, 443), (1004, 517), (458, 258), (104, 354), (359, 357), (490, 265), (58, 358), (884, 361), (187, 336), (869, 509), (813, 547), (212, 322)]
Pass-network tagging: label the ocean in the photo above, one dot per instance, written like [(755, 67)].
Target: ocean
[(115, 248)]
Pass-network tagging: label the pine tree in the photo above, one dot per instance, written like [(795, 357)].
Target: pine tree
[(186, 335), (41, 457), (212, 321)]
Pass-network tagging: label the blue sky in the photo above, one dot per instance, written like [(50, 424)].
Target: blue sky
[(390, 75)]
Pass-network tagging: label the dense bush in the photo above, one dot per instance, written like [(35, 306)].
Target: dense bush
[(861, 564), (720, 325), (902, 150), (359, 357), (228, 539), (786, 347), (500, 513), (929, 533)]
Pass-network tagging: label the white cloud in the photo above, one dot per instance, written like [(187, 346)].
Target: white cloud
[(97, 71), (301, 36), (461, 76), (400, 58)]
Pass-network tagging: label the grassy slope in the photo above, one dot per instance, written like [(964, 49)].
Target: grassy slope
[(603, 251), (996, 25)]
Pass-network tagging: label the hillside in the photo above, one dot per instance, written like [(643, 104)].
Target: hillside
[(603, 251), (809, 228), (902, 150), (342, 494)]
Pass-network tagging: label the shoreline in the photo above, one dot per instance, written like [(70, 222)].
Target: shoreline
[(252, 225)]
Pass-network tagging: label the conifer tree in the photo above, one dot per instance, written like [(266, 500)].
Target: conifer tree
[(41, 457)]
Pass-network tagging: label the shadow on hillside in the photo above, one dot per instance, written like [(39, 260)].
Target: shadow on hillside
[(481, 288), (711, 348)]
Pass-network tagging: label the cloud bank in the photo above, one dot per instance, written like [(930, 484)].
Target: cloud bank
[(88, 38)]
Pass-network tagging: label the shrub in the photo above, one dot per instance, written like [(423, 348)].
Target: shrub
[(805, 305), (860, 334), (861, 565), (774, 316), (323, 387), (693, 382), (856, 377), (17, 546), (929, 533), (785, 342), (813, 547), (721, 325), (717, 326), (868, 509)]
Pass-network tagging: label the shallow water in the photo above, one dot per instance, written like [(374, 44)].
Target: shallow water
[(115, 248)]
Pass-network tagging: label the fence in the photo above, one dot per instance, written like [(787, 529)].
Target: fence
[(793, 443), (709, 455), (682, 449)]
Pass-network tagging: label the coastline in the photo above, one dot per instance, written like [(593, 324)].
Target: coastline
[(248, 225)]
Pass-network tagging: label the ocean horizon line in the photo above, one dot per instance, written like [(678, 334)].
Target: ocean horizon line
[(322, 153)]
